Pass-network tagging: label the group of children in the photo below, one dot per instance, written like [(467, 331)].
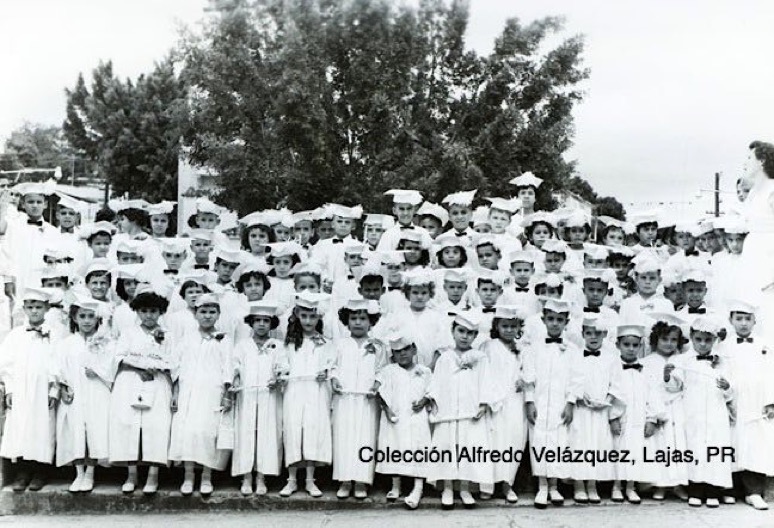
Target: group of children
[(600, 350)]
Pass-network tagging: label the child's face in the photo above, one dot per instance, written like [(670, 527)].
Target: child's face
[(371, 290), (225, 270), (675, 293), (706, 241), (499, 220), (454, 290), (702, 342), (419, 296), (595, 292), (488, 256), (66, 217), (413, 251), (527, 197), (647, 233), (257, 239), (208, 221), (459, 216), (35, 311), (281, 232), (201, 248), (173, 260), (307, 283), (405, 356), (554, 262), (254, 289), (509, 329), (593, 337), (261, 325), (353, 260), (342, 226), (629, 346), (54, 282), (149, 317), (522, 272), (647, 282), (99, 286), (34, 205), (694, 293), (482, 228), (302, 231), (358, 323), (394, 273), (159, 224), (743, 323), (620, 266), (404, 213), (550, 292), (576, 235), (488, 292), (282, 266), (743, 189), (86, 321), (308, 319), (592, 263), (615, 237), (192, 293), (325, 229), (130, 287), (684, 241), (432, 225), (668, 344), (464, 337), (540, 234), (734, 243), (451, 257), (207, 316), (373, 233), (128, 258), (555, 322), (100, 245)]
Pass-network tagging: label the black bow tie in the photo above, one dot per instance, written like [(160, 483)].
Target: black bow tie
[(38, 223), (744, 339), (488, 310), (692, 253), (587, 353), (521, 289), (202, 266), (708, 357), (405, 228), (68, 230), (692, 310), (393, 288), (553, 340), (39, 331), (591, 309), (171, 272), (337, 240), (636, 366)]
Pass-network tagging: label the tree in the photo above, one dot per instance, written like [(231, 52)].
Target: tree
[(300, 102), (609, 206), (131, 130), (38, 146)]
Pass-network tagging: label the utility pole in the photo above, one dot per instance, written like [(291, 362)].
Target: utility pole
[(717, 194)]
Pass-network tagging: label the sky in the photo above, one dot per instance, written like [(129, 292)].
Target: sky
[(678, 89)]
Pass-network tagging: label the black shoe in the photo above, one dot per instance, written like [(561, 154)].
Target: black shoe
[(21, 482), (37, 482)]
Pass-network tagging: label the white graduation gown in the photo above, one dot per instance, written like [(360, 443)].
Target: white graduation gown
[(429, 330)]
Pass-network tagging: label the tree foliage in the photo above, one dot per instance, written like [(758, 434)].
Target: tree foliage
[(39, 146), (131, 130), (301, 102)]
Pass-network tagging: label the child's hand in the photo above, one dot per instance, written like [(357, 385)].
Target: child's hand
[(531, 413), (327, 286), (418, 405), (519, 385), (768, 411), (650, 429), (51, 402), (67, 395), (615, 426), (723, 384), (322, 376), (173, 403), (90, 374), (432, 406), (391, 416), (9, 401), (335, 385), (668, 368), (237, 382), (373, 391), (567, 413), (146, 375), (226, 402), (481, 411)]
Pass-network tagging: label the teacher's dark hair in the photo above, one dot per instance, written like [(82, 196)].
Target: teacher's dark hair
[(764, 152)]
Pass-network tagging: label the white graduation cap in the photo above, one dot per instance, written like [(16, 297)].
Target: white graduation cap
[(405, 196), (352, 246), (671, 319), (68, 202), (609, 221), (207, 299), (464, 198), (623, 251), (414, 235), (707, 323), (174, 245), (480, 216), (205, 205), (468, 319), (522, 255), (447, 240), (418, 277), (285, 249), (200, 234), (123, 205), (399, 341), (602, 275), (127, 271), (497, 277), (263, 308), (355, 304), (255, 218), (509, 311), (733, 225), (381, 220), (553, 245), (98, 265), (55, 271), (595, 251), (310, 300), (504, 204), (550, 280), (627, 330), (37, 294), (322, 213), (694, 275), (343, 211), (738, 305), (251, 266), (230, 255), (577, 218), (557, 306), (434, 210), (164, 207), (392, 258), (526, 180), (455, 275), (645, 217), (46, 188), (303, 216), (309, 267), (133, 247), (595, 321), (539, 217), (89, 230)]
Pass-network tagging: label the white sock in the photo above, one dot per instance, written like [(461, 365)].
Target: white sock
[(542, 483), (153, 476), (131, 475), (309, 472), (206, 474), (292, 473), (188, 475)]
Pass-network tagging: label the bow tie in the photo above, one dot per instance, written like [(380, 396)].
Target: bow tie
[(553, 340), (408, 227), (696, 310), (39, 331), (521, 289), (38, 223), (692, 253), (591, 309), (337, 240), (67, 230), (648, 306), (393, 288), (744, 339), (202, 266), (708, 357), (587, 353), (488, 310), (171, 272), (636, 366)]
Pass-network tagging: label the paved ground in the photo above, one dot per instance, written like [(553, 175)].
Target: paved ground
[(626, 516)]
